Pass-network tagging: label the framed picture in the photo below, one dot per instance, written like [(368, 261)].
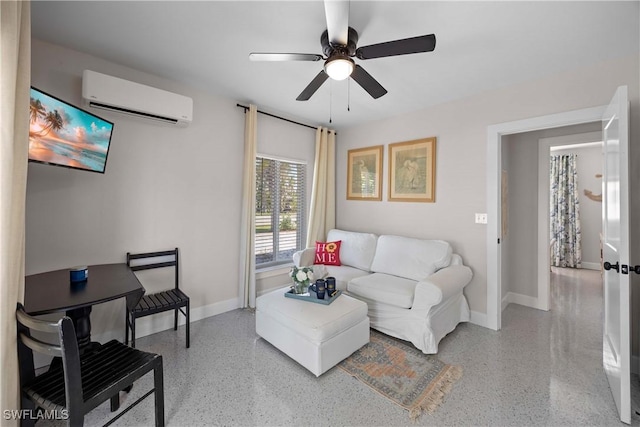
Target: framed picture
[(364, 173), (412, 171)]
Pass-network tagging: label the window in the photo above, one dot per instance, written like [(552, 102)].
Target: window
[(280, 207)]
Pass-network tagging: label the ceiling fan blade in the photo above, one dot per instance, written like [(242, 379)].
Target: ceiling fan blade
[(284, 57), (367, 82), (398, 47), (313, 86), (337, 14)]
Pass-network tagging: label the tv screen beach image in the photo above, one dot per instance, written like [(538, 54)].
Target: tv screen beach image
[(64, 135)]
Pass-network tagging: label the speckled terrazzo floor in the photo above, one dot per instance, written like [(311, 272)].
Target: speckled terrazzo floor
[(541, 369)]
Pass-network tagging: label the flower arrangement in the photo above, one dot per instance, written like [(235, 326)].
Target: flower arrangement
[(302, 277)]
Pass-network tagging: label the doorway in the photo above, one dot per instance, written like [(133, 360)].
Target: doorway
[(588, 149), (617, 301), (526, 214), (495, 135)]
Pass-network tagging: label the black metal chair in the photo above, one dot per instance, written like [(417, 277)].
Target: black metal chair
[(73, 388), (172, 299)]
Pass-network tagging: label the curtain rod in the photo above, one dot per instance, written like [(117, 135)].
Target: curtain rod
[(278, 117)]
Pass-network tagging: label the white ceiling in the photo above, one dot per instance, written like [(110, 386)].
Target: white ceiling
[(480, 46)]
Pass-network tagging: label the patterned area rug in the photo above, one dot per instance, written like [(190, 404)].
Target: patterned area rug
[(400, 372)]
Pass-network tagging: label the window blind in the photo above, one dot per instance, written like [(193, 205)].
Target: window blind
[(280, 206)]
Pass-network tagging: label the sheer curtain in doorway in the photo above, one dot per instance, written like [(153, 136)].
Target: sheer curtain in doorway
[(565, 212)]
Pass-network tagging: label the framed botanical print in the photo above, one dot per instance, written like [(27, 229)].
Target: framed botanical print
[(412, 171), (364, 173)]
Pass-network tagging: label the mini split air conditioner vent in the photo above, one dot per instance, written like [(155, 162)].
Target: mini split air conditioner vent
[(132, 112), (122, 96)]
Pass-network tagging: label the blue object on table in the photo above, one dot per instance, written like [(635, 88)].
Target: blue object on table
[(79, 274), (331, 285), (318, 288)]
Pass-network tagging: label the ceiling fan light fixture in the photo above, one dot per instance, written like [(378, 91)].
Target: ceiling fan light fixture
[(339, 67)]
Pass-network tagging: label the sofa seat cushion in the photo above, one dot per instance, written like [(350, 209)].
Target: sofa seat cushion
[(384, 288), (356, 249), (412, 258), (316, 322), (343, 274)]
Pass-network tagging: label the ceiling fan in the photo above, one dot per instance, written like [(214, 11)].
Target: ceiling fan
[(339, 43)]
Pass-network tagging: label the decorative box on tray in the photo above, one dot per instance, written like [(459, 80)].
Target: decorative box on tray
[(312, 297)]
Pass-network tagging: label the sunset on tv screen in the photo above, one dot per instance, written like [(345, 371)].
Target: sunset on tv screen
[(63, 135)]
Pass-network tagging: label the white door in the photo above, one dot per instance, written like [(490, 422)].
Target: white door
[(615, 216)]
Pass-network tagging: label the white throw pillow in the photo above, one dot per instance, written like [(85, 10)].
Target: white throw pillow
[(412, 258), (357, 249)]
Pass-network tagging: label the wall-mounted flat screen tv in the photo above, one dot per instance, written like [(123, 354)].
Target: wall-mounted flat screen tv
[(63, 135)]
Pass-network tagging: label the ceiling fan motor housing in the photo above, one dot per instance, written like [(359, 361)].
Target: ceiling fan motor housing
[(349, 50)]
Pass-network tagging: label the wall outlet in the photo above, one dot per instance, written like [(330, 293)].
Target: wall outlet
[(481, 218)]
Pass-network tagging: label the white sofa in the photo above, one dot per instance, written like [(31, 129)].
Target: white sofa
[(413, 287)]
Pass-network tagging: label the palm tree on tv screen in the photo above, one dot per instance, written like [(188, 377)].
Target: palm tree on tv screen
[(36, 109), (52, 119)]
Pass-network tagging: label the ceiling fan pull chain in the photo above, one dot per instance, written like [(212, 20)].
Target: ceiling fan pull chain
[(349, 95), (330, 99)]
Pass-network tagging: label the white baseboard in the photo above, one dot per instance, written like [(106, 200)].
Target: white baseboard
[(162, 321), (505, 302), (586, 265), (479, 319), (525, 300), (591, 265)]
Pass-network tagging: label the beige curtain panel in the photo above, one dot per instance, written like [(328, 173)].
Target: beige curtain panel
[(322, 216), (247, 228), (15, 79)]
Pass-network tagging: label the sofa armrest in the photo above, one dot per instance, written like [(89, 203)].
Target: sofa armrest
[(441, 285), (304, 258)]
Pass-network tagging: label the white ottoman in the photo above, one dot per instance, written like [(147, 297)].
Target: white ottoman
[(316, 336)]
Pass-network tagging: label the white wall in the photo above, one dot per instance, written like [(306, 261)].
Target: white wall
[(461, 129), (522, 231), (164, 187)]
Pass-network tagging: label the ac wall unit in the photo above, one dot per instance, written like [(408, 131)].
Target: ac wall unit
[(122, 96)]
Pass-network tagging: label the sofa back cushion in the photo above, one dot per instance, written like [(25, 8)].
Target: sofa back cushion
[(357, 249), (412, 258)]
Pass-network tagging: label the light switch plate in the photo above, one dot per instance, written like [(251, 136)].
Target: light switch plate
[(481, 218)]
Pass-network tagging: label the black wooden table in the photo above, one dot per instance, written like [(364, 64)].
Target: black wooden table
[(53, 292)]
